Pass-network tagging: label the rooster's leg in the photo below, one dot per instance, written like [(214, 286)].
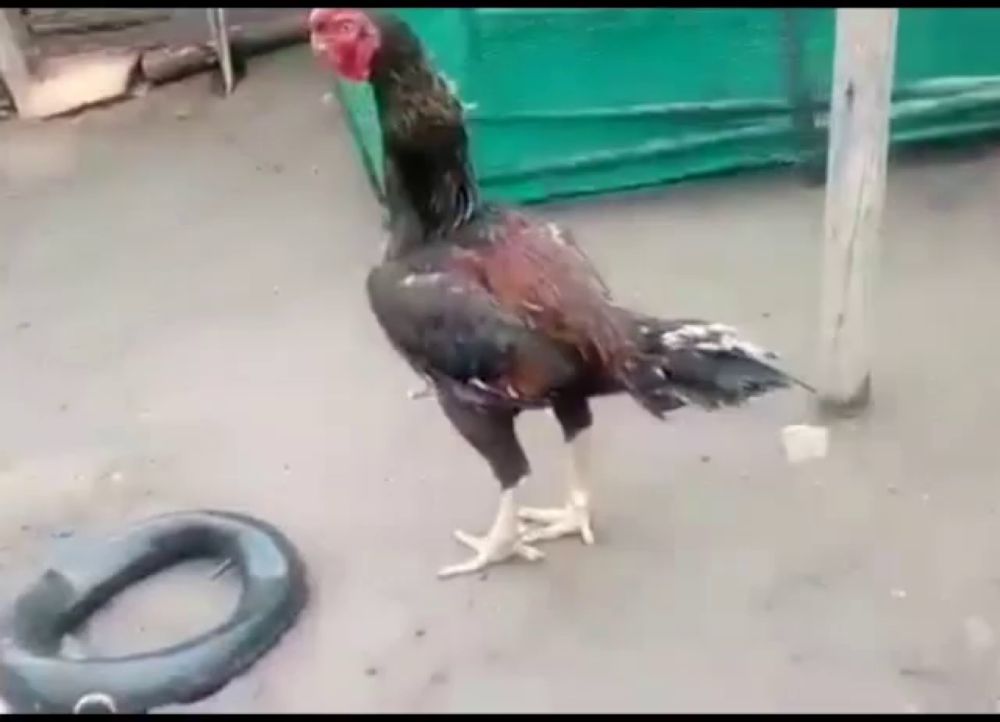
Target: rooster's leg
[(573, 518), (491, 432), (501, 542)]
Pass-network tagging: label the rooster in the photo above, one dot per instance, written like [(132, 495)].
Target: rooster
[(502, 312)]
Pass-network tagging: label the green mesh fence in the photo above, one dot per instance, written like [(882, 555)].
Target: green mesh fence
[(572, 101)]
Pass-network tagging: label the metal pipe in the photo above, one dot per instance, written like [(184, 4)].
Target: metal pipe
[(220, 33)]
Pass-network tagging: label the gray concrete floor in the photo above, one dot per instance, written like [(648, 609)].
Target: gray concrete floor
[(183, 325)]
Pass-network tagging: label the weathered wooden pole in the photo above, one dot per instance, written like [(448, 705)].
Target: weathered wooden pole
[(859, 144), (15, 64)]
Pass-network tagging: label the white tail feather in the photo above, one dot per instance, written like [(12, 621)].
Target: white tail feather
[(713, 338)]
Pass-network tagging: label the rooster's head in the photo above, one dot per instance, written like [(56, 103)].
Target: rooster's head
[(355, 43)]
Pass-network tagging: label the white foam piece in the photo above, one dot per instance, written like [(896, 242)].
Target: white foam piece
[(804, 442)]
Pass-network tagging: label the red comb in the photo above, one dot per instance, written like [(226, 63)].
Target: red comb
[(323, 14)]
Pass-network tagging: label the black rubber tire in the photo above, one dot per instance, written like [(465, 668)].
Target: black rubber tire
[(35, 678)]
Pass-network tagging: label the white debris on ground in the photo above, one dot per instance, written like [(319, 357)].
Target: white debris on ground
[(804, 442)]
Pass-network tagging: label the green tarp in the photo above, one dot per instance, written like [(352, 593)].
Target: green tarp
[(570, 101)]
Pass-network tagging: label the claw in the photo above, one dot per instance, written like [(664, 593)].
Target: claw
[(555, 523), (469, 540), (529, 553), (488, 552), (541, 516), (473, 565), (420, 392)]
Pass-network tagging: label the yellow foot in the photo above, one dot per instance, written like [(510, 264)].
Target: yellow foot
[(490, 549), (555, 523)]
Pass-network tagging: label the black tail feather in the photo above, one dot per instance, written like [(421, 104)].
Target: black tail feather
[(695, 362)]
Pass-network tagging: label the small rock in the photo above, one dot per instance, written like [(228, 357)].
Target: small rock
[(420, 632), (64, 534), (705, 458), (371, 671), (766, 314), (26, 527), (925, 497), (182, 113), (898, 593), (24, 325), (893, 489), (439, 677)]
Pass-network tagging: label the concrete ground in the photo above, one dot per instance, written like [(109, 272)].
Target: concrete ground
[(183, 325)]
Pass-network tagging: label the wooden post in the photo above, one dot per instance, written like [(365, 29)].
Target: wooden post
[(15, 66), (859, 144)]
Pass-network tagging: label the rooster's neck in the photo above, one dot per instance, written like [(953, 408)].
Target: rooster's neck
[(430, 186)]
